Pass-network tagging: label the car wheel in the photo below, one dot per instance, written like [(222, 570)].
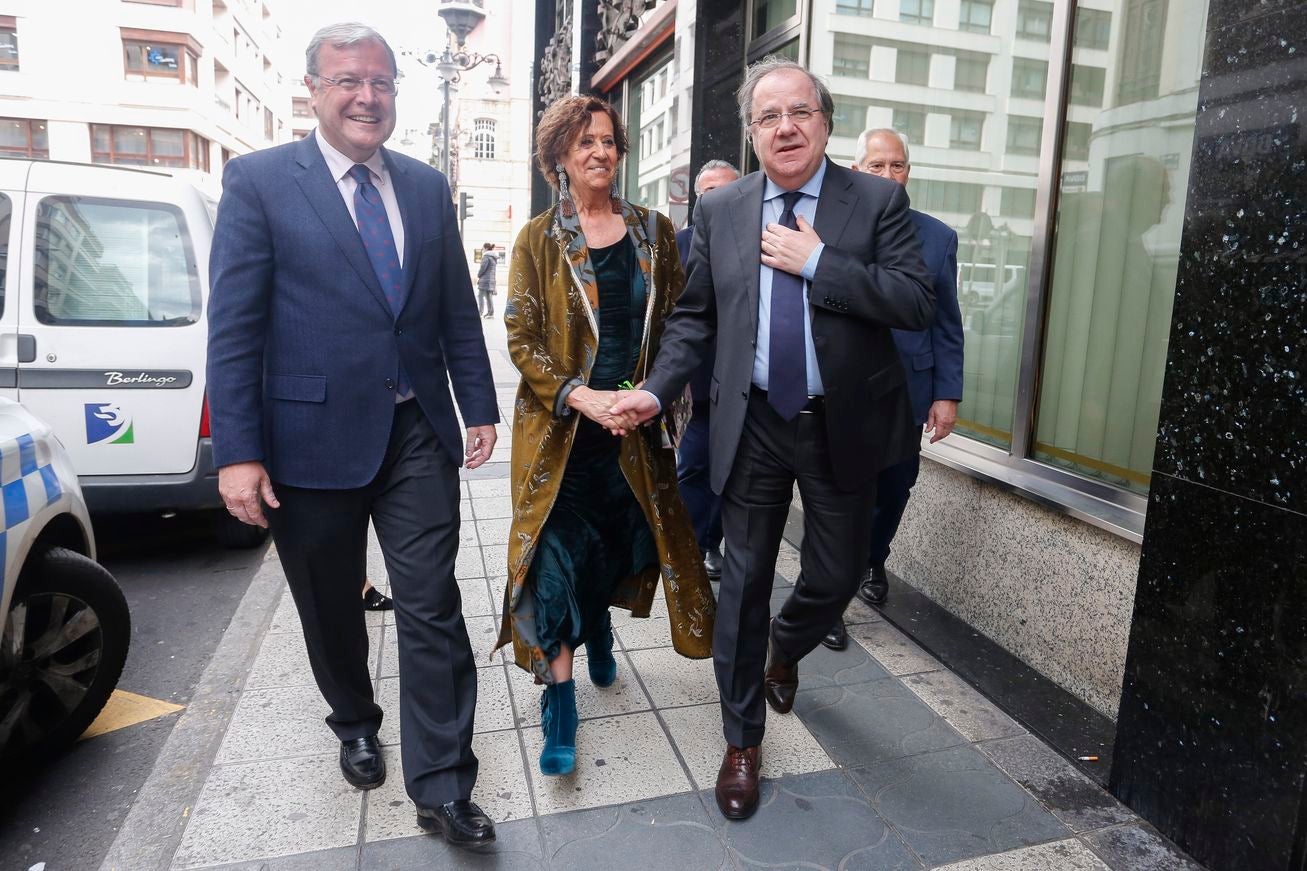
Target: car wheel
[(234, 535), (61, 654)]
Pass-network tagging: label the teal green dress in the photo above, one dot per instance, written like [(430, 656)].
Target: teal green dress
[(596, 534)]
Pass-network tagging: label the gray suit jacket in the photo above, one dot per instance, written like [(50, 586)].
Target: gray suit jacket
[(871, 278)]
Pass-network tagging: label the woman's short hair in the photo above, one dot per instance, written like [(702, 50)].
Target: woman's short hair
[(563, 123)]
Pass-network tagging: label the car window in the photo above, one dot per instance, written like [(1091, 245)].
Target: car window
[(103, 262)]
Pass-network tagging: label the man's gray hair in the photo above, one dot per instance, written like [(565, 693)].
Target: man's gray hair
[(344, 35), (860, 151), (709, 167), (774, 63)]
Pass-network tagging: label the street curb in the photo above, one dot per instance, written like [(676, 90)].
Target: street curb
[(150, 835)]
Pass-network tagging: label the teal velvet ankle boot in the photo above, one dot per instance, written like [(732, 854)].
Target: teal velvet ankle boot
[(599, 655), (558, 721)]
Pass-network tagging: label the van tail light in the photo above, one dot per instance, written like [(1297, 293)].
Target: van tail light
[(204, 418)]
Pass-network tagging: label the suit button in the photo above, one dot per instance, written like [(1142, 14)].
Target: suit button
[(744, 395), (390, 383), (399, 331)]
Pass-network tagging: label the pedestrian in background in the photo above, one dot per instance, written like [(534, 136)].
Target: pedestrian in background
[(486, 281), (597, 519), (932, 362), (798, 272), (334, 329), (692, 468)]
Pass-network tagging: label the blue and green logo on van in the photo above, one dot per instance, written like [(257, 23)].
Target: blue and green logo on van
[(108, 424)]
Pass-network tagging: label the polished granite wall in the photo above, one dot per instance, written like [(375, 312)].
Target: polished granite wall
[(1212, 730), (1053, 591)]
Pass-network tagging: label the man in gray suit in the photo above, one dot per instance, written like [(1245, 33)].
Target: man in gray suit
[(799, 272)]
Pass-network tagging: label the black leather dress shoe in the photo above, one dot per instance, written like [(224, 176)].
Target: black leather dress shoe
[(361, 762), (836, 638), (712, 563), (461, 822), (375, 600), (875, 585)]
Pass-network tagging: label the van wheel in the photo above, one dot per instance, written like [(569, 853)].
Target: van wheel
[(234, 535), (61, 653)]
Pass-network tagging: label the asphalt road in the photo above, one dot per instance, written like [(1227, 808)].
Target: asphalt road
[(182, 589)]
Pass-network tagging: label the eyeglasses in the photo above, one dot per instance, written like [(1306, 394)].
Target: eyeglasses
[(351, 85), (773, 119)]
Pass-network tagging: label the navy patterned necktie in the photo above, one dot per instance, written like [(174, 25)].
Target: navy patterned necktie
[(379, 242), (787, 356)]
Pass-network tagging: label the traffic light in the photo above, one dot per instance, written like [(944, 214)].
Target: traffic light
[(464, 205)]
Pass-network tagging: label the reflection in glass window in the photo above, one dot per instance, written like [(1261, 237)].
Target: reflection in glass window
[(6, 213), (8, 48), (1115, 259), (917, 11), (850, 116), (1076, 146), (912, 66), (1023, 134), (648, 165), (23, 137), (965, 130), (855, 7), (1017, 203), (975, 16), (1035, 20), (852, 56), (1087, 85), (772, 13), (1029, 78), (971, 72), (911, 123), (104, 262), (1093, 28)]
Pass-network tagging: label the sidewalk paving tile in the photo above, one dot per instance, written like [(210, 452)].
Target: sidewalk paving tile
[(283, 661), (492, 533), (1068, 855), (516, 848), (491, 508), (864, 723), (285, 618), (672, 680), (1072, 797), (787, 747), (618, 760), (489, 487), (624, 697), (860, 612), (501, 788), (826, 668), (468, 564), (496, 561), (336, 859), (639, 633), (813, 821), (892, 649), (976, 717), (955, 804), (278, 722), (1138, 847), (654, 835), (270, 808), (477, 600)]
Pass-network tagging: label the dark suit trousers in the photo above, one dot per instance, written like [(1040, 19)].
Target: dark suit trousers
[(692, 474), (773, 454), (321, 538), (893, 486)]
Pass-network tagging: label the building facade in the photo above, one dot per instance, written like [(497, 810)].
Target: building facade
[(180, 84), (1062, 141)]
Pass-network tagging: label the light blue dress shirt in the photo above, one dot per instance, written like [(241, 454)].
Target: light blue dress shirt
[(806, 207)]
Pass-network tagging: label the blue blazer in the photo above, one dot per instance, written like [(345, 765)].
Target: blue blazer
[(304, 349), (701, 380), (932, 358)]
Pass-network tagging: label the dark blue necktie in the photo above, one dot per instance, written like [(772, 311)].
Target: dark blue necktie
[(787, 356), (379, 242)]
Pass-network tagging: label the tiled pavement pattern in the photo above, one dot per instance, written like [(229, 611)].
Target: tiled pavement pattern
[(888, 762)]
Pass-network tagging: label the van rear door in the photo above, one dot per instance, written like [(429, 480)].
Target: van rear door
[(13, 180), (112, 294)]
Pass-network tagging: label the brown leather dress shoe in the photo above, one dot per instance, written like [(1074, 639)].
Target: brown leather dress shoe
[(737, 782), (780, 683)]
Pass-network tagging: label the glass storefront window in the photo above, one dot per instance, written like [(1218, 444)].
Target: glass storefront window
[(650, 124), (1117, 242), (772, 13)]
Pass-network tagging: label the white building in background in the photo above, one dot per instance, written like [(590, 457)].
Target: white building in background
[(180, 84)]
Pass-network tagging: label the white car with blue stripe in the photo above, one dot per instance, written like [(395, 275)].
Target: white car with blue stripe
[(66, 625)]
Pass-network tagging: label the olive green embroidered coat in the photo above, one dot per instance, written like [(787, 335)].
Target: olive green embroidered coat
[(551, 314)]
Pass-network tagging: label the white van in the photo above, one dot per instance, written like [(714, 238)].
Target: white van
[(104, 274)]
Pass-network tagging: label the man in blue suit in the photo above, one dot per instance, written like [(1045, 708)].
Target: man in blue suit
[(932, 360), (692, 468), (341, 308)]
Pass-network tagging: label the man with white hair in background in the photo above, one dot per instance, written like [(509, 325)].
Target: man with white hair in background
[(692, 469), (932, 360)]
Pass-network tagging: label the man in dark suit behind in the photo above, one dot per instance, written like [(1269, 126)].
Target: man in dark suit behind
[(692, 469), (932, 359), (799, 272), (341, 306)]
